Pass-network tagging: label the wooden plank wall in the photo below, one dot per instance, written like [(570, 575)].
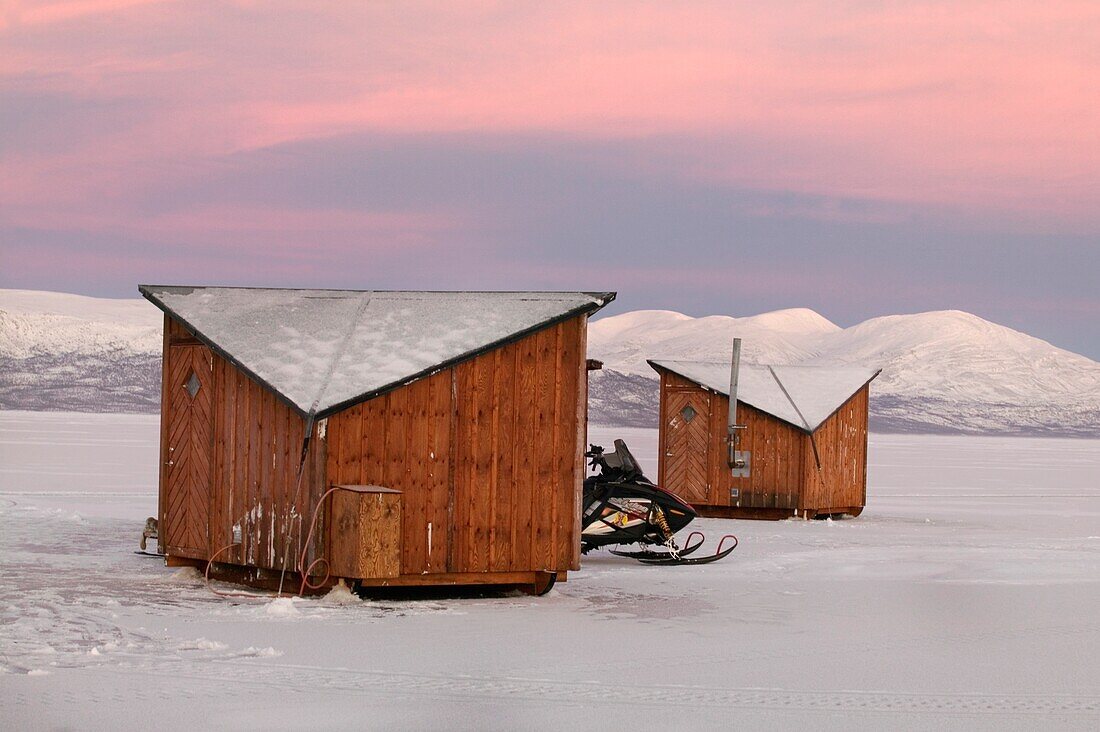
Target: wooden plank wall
[(777, 457), (684, 467), (488, 456), (784, 473), (842, 446), (188, 463), (257, 445), (256, 456), (777, 452)]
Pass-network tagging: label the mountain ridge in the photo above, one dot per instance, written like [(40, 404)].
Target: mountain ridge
[(943, 371)]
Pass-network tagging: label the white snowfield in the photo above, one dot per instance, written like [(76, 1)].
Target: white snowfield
[(965, 597), (54, 323)]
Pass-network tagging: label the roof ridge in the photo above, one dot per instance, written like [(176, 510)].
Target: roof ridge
[(789, 399), (355, 322)]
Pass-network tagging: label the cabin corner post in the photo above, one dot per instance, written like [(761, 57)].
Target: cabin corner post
[(865, 425), (581, 446), (661, 428), (164, 419)]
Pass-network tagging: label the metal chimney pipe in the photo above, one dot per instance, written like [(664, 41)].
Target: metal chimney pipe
[(731, 420)]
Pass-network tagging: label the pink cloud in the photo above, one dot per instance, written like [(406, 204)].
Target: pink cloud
[(986, 104)]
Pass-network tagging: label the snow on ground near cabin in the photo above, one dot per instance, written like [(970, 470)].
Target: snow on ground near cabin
[(965, 597)]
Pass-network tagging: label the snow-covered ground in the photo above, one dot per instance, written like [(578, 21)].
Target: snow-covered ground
[(965, 597)]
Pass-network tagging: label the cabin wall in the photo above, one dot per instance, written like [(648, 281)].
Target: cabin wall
[(777, 456), (685, 447), (784, 472), (777, 452), (841, 481), (254, 457), (488, 456)]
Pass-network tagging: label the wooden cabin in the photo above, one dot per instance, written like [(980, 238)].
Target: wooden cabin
[(382, 438), (804, 439)]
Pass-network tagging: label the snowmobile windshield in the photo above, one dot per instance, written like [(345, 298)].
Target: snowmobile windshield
[(626, 459)]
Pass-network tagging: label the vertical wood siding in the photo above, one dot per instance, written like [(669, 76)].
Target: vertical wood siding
[(488, 453), (784, 473), (776, 475), (257, 442), (777, 457), (842, 446)]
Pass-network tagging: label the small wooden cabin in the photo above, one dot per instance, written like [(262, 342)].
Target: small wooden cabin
[(426, 438), (805, 439)]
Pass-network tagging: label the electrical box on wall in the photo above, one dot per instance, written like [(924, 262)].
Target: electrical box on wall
[(743, 462)]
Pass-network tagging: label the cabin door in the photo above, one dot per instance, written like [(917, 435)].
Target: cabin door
[(188, 462), (687, 420)]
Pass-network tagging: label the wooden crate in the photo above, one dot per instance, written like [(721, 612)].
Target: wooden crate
[(365, 536)]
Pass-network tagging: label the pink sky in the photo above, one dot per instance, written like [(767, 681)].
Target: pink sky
[(983, 113)]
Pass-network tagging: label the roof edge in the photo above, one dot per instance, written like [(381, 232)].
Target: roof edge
[(588, 309), (606, 296), (298, 409), (656, 365), (602, 299), (841, 405)]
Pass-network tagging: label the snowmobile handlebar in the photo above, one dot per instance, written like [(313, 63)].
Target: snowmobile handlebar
[(595, 456)]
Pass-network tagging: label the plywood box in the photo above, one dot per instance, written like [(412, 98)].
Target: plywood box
[(366, 537)]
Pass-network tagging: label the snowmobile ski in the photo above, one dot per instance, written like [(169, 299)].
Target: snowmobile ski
[(650, 554), (670, 559)]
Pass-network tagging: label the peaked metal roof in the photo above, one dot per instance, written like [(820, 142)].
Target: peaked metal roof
[(325, 350), (802, 396)]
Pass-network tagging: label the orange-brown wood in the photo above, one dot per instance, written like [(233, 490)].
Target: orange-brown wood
[(250, 466), (488, 455), (542, 539), (687, 444), (526, 454), (785, 476), (190, 450), (366, 534), (579, 448)]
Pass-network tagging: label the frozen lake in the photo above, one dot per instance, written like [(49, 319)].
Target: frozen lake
[(964, 597)]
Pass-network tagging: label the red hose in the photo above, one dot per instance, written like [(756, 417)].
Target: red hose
[(210, 587), (304, 570)]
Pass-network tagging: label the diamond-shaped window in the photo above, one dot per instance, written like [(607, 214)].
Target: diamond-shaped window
[(688, 413), (192, 385)]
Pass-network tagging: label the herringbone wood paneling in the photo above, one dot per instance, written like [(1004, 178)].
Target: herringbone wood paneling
[(686, 445), (190, 447)]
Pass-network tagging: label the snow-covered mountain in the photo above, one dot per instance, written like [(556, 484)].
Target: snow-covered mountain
[(942, 371), (68, 352)]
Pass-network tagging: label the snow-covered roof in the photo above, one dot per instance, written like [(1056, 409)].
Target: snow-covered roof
[(324, 350), (803, 396)]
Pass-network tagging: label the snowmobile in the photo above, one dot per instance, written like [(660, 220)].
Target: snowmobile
[(622, 507)]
